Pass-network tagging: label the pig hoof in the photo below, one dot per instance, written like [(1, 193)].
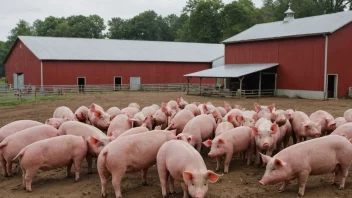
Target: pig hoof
[(341, 188), (172, 193), (300, 195), (104, 196)]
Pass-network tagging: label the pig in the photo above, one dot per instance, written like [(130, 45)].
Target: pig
[(223, 127), (155, 106), (193, 108), (14, 143), (303, 127), (95, 138), (113, 112), (82, 114), (134, 153), (266, 135), (192, 174), (285, 135), (50, 154), (249, 118), (227, 106), (160, 117), (139, 119), (172, 108), (130, 111), (157, 127), (134, 105), (222, 111), (197, 130), (55, 122), (314, 157), (64, 112), (134, 131), (98, 117), (216, 114), (237, 140), (325, 121), (348, 115), (119, 125), (232, 117), (206, 108), (281, 117), (16, 126), (340, 121), (344, 130), (261, 110), (181, 102), (196, 103), (180, 120)]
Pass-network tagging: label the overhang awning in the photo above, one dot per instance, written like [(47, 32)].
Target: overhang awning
[(232, 70)]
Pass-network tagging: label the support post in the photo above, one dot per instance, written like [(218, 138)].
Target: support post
[(188, 80), (241, 79), (260, 84), (200, 86), (275, 84)]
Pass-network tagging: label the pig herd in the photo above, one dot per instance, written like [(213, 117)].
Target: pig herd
[(171, 136)]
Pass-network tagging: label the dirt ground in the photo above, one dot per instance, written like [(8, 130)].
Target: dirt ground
[(241, 182)]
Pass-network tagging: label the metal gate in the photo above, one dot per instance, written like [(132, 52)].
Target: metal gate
[(135, 83)]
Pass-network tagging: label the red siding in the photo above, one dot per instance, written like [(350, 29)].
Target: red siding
[(301, 60), (339, 58), (66, 72), (22, 60)]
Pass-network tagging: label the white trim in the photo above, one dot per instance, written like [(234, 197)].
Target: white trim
[(85, 82), (335, 83), (326, 67), (41, 74), (308, 94)]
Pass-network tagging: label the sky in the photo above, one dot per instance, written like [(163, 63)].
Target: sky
[(12, 11)]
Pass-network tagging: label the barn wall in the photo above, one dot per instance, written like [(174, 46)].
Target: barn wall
[(339, 58), (22, 60), (301, 60), (66, 72)]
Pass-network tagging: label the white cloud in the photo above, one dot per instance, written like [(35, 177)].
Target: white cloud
[(13, 10)]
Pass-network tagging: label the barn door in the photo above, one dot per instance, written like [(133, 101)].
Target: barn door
[(15, 80), (135, 83), (20, 80)]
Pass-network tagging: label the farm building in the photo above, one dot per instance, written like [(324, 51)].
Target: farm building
[(308, 57), (45, 61)]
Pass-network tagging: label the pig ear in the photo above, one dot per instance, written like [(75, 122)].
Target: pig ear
[(350, 140), (274, 128), (178, 100), (273, 116), (187, 176), (205, 107), (257, 107), (92, 107), (287, 116), (265, 158), (230, 118), (227, 106), (163, 109), (271, 107), (207, 143), (97, 113), (278, 162), (212, 177), (239, 119), (255, 130), (221, 141), (255, 117), (189, 139), (305, 124), (93, 140), (239, 107)]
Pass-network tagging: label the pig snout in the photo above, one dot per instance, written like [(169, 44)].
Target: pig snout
[(266, 145), (211, 155), (264, 181)]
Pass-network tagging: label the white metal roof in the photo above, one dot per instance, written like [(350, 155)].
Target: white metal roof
[(55, 48), (316, 25), (232, 71)]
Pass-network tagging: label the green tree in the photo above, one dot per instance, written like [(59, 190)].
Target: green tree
[(86, 27), (118, 28), (22, 28), (52, 26), (3, 52)]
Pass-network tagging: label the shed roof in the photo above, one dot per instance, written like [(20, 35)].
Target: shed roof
[(232, 70), (55, 48), (316, 25)]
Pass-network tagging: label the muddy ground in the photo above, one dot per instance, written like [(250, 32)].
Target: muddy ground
[(241, 182)]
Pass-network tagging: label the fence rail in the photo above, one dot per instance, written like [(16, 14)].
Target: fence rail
[(213, 91)]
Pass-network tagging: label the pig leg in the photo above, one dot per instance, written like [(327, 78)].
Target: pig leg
[(172, 185), (185, 190), (69, 166), (116, 181), (9, 168), (344, 174), (144, 176), (104, 175), (227, 161), (3, 166), (89, 160), (23, 178), (218, 163), (199, 146), (28, 178), (257, 157), (302, 180), (163, 176), (284, 185), (77, 162)]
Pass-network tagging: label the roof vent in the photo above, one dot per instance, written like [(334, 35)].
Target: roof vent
[(289, 14)]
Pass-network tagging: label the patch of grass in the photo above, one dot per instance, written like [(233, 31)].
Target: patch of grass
[(2, 80), (34, 100)]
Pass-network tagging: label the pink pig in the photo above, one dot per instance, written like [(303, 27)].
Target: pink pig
[(134, 153), (55, 122), (64, 112), (348, 115), (234, 117), (16, 126), (192, 173), (130, 111), (113, 112), (134, 105), (344, 130), (14, 143), (261, 110), (119, 125), (98, 117), (193, 108), (140, 119), (325, 121), (340, 121), (82, 114), (181, 102), (160, 117), (237, 140), (223, 127), (50, 154), (134, 131), (222, 111), (249, 118), (198, 129), (303, 127), (314, 157), (180, 120), (227, 106)]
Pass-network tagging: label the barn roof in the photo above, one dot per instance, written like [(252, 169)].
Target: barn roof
[(55, 48), (232, 70), (316, 25)]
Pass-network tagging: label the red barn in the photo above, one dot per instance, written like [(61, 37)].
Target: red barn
[(71, 61), (312, 55)]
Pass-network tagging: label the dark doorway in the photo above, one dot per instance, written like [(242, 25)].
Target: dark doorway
[(332, 86), (81, 84), (117, 82)]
